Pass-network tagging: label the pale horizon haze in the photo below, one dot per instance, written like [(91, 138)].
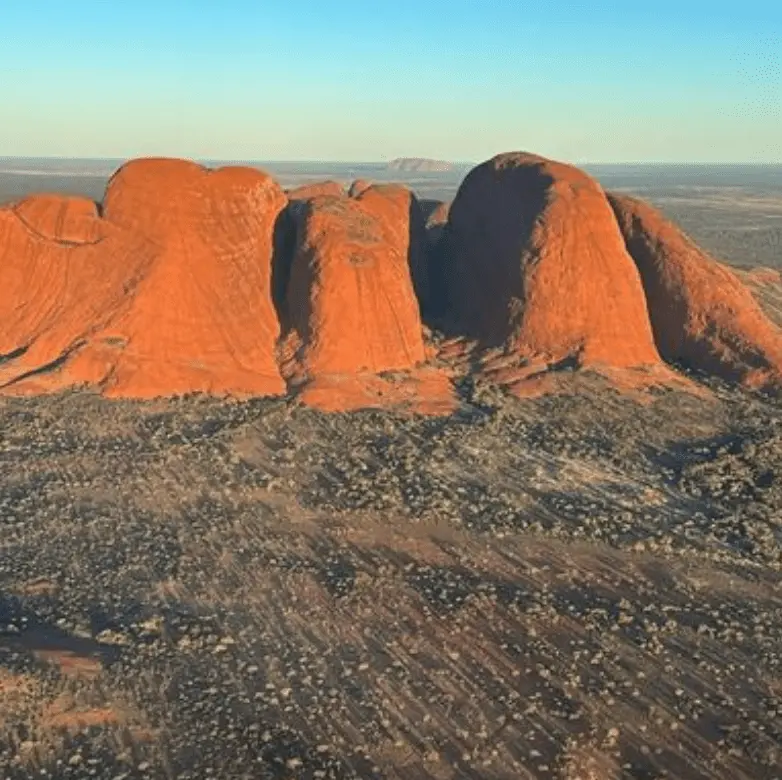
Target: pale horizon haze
[(360, 81)]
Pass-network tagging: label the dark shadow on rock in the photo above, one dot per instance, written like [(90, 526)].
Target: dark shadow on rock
[(283, 248), (418, 256), (488, 238)]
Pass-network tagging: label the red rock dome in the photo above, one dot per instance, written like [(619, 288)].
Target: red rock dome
[(533, 260), (701, 313)]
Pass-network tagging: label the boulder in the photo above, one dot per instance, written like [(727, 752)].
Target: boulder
[(701, 313)]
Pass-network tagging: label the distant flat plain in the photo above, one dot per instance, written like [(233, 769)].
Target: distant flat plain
[(733, 211)]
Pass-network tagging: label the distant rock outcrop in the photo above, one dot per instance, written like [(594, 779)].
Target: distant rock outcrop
[(419, 165), (701, 313), (534, 262)]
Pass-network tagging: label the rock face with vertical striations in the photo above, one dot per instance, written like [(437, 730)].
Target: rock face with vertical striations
[(701, 313), (350, 295), (190, 280), (203, 319), (168, 293), (402, 215), (533, 261), (351, 303)]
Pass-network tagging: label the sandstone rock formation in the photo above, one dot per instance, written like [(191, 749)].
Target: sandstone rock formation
[(350, 295), (533, 261), (203, 319), (351, 302), (71, 220), (191, 280), (435, 213), (358, 186), (419, 165), (701, 313), (314, 189), (401, 211), (64, 275), (765, 284), (173, 296)]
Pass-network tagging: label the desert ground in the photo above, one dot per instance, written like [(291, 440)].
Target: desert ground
[(579, 586)]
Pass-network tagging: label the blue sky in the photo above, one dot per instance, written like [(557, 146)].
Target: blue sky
[(375, 79)]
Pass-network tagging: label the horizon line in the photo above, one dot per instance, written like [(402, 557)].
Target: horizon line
[(457, 163)]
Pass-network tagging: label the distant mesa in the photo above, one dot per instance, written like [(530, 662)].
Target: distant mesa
[(190, 280), (419, 165), (702, 315)]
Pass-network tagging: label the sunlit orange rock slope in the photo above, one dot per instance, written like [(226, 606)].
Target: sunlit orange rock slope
[(65, 274), (194, 280), (351, 303), (701, 312), (168, 293), (314, 189)]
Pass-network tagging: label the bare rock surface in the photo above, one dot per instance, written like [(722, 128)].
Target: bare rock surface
[(356, 337), (169, 292), (533, 262), (313, 190), (701, 312)]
